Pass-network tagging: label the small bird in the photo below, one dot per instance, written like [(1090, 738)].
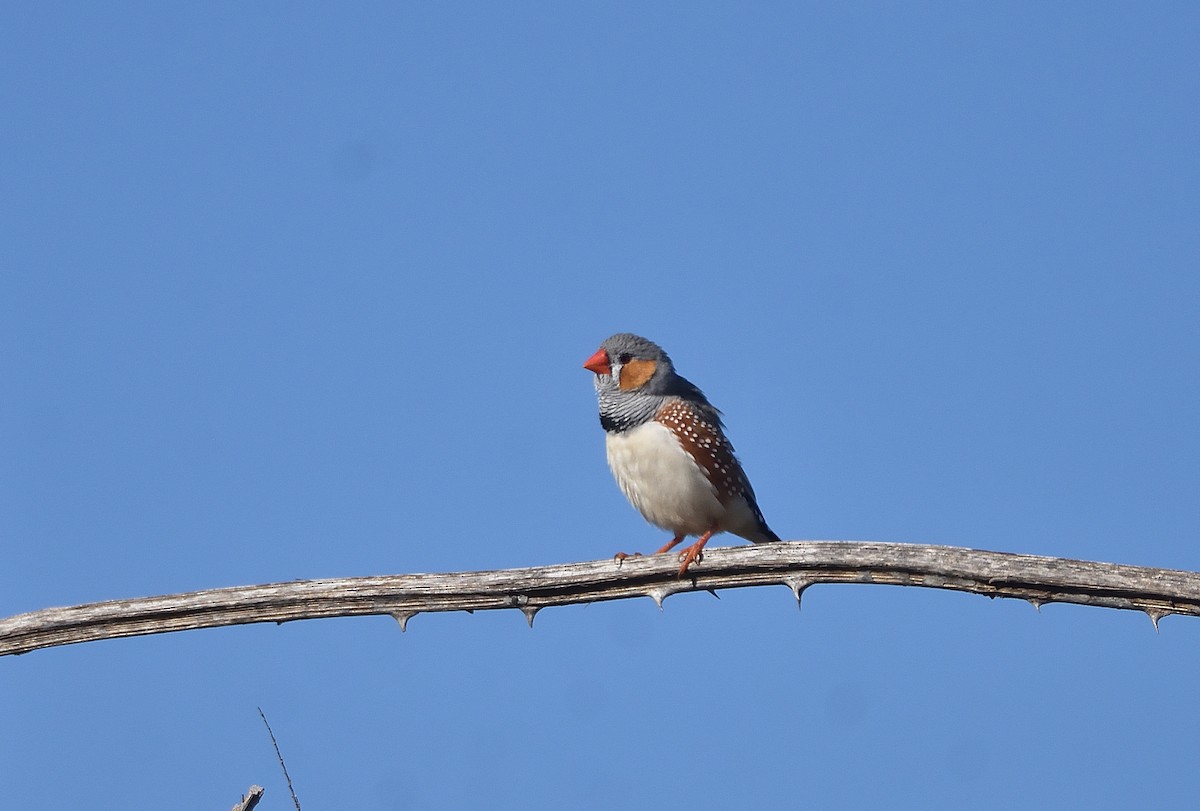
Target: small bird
[(667, 449)]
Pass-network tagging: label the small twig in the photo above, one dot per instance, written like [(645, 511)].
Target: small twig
[(797, 565), (279, 755), (250, 800)]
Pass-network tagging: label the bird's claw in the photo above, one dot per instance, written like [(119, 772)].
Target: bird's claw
[(687, 557), (620, 557)]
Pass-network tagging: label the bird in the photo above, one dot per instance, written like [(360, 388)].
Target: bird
[(667, 449)]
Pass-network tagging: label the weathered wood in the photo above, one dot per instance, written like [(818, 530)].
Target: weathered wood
[(250, 801), (1040, 580)]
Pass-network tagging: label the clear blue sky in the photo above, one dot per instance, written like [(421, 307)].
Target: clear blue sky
[(294, 290)]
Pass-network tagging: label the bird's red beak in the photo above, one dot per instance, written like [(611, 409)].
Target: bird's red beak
[(599, 363)]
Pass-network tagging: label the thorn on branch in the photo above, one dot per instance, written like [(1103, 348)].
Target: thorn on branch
[(797, 585), (660, 593)]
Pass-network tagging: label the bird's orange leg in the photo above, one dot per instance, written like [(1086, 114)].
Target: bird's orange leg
[(669, 546), (621, 556), (694, 553)]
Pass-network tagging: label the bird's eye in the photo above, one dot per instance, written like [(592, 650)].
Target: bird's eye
[(624, 358)]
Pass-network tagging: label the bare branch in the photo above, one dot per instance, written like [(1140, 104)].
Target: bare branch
[(251, 799), (1040, 580), (279, 756)]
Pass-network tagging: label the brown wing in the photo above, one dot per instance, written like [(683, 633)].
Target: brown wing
[(701, 436)]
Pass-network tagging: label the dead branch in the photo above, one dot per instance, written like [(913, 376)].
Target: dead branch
[(797, 565), (279, 756), (250, 801)]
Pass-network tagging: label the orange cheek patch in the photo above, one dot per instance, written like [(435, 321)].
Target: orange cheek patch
[(635, 374)]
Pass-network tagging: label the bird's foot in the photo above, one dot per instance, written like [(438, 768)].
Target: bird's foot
[(694, 553), (620, 557)]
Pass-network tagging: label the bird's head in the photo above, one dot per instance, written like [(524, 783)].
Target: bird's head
[(629, 363)]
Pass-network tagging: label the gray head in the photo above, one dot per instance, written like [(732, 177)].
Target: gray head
[(634, 376)]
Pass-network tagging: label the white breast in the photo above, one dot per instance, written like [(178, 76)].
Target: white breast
[(662, 481)]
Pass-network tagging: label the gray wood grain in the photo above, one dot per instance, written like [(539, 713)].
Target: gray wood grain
[(250, 801), (797, 565)]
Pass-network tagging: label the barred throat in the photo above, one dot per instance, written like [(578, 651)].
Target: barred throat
[(620, 411)]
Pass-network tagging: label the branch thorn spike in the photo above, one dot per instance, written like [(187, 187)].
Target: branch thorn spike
[(713, 592), (530, 611), (1037, 605), (403, 617), (659, 594), (797, 585), (1155, 615)]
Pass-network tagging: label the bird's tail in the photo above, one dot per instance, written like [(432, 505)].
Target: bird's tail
[(763, 535)]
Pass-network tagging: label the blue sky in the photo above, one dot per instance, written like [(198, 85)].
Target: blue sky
[(303, 290)]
